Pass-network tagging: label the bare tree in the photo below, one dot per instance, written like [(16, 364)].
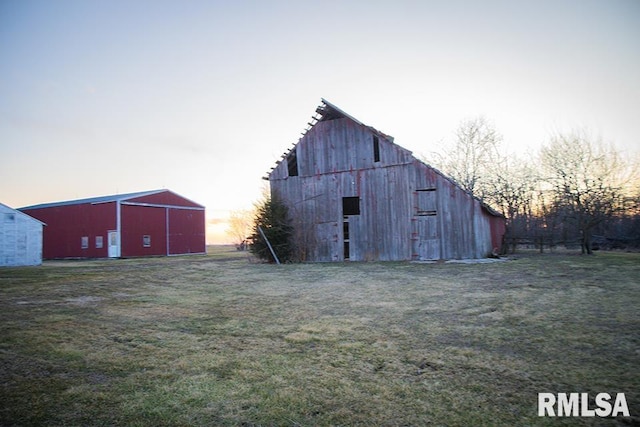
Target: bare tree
[(510, 186), (240, 226), (588, 181), (471, 159), (576, 185)]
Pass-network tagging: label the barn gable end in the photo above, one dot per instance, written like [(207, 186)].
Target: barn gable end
[(353, 194)]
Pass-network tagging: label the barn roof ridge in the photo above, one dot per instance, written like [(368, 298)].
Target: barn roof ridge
[(99, 199)]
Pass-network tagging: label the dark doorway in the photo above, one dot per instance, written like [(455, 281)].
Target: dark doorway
[(350, 206)]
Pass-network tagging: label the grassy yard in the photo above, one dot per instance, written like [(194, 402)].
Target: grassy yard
[(218, 340)]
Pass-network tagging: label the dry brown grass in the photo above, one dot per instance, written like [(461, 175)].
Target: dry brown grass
[(219, 340)]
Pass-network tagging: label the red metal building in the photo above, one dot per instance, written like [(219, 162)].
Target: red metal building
[(149, 223)]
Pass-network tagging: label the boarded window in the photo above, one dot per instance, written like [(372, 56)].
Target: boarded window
[(345, 234), (99, 242), (351, 206), (292, 163), (84, 242), (426, 202), (376, 149), (146, 241), (345, 230)]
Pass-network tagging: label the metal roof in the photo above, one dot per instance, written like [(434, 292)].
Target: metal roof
[(95, 200)]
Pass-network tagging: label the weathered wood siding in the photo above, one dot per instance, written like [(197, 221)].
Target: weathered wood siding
[(407, 210)]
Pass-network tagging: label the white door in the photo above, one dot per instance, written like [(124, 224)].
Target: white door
[(114, 244)]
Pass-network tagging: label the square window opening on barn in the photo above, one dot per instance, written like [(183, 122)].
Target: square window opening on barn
[(350, 206), (99, 242), (376, 149), (84, 242), (146, 241), (426, 202), (292, 163)]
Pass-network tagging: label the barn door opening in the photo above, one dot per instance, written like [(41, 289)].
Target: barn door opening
[(114, 244), (350, 207), (345, 236), (425, 224)]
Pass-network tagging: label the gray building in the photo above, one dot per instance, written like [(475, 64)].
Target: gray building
[(20, 238), (353, 194)]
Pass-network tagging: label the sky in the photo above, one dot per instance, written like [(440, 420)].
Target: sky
[(203, 97)]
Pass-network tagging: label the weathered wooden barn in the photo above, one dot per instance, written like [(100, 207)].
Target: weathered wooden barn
[(20, 238), (353, 194), (149, 223)]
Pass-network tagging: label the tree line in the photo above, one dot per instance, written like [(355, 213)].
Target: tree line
[(576, 190)]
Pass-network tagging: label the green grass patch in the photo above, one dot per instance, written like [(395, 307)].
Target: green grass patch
[(222, 340)]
